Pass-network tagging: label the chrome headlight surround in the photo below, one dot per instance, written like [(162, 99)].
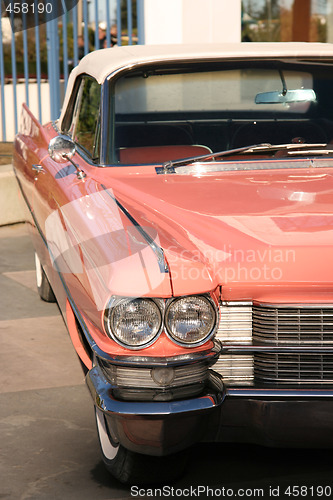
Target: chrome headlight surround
[(193, 302), (127, 330)]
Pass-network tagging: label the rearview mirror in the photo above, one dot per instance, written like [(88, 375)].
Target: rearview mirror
[(278, 97), (61, 148)]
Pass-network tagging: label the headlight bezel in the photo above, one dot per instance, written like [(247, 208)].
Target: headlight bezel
[(109, 311), (205, 339), (163, 306)]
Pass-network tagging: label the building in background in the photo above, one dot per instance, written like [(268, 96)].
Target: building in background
[(185, 21), (287, 20)]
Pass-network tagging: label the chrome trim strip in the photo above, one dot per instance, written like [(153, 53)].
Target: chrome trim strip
[(252, 165), (150, 362), (280, 393), (55, 126), (295, 305), (236, 303), (104, 120), (163, 265), (101, 392), (239, 349)]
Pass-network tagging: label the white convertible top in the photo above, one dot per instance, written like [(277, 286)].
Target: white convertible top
[(102, 63)]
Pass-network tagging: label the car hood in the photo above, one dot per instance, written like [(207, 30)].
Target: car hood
[(240, 229)]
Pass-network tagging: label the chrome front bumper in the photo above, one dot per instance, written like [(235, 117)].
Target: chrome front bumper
[(300, 418), (272, 417), (153, 428)]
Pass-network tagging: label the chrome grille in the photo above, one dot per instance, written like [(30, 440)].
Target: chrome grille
[(235, 327), (235, 368), (290, 368), (244, 326), (289, 325), (235, 322)]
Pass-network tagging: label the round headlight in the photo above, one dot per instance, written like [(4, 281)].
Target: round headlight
[(133, 322), (190, 320)]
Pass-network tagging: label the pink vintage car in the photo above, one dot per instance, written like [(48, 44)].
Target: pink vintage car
[(182, 214)]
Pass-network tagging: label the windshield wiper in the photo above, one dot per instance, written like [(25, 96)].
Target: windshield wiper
[(292, 148)]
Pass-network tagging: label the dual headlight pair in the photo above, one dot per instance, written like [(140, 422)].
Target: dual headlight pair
[(137, 322)]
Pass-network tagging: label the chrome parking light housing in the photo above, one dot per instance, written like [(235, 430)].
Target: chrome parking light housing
[(164, 383)]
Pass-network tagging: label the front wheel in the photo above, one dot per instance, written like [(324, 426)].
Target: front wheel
[(133, 468), (43, 286)]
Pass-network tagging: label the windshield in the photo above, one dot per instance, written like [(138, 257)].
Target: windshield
[(166, 113)]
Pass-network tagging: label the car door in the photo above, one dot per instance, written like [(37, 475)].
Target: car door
[(57, 184)]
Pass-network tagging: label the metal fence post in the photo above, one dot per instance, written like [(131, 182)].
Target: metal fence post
[(75, 35), (140, 22), (38, 63), (85, 28), (118, 22), (52, 41), (129, 21), (25, 60), (64, 43), (14, 73), (97, 42), (2, 82), (108, 27)]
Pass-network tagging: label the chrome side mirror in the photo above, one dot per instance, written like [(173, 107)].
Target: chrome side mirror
[(61, 148)]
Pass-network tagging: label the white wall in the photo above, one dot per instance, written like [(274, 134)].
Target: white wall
[(188, 21), (21, 98), (6, 30)]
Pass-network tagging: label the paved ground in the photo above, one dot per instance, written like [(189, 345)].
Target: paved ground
[(48, 443), (6, 154)]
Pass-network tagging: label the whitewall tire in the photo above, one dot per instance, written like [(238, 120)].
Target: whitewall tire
[(43, 286), (133, 468)]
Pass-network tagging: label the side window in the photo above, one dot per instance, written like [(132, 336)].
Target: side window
[(86, 130)]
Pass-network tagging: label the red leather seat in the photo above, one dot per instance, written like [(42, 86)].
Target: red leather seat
[(160, 154)]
